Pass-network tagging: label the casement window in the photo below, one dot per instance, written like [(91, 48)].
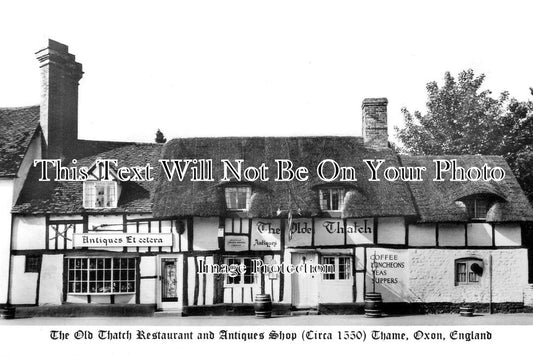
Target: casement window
[(468, 270), (331, 199), (342, 266), (32, 264), (99, 194), (477, 207), (240, 279), (238, 198), (101, 275)]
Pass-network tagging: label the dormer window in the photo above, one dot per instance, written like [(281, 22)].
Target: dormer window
[(477, 206), (331, 199), (100, 194), (238, 198)]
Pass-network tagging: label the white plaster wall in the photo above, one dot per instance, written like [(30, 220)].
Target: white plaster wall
[(432, 276), (508, 235), (391, 230), (333, 291), (6, 190), (479, 234), (205, 234), (148, 291), (29, 232), (451, 235), (113, 222), (100, 299), (364, 231), (51, 285), (148, 266), (23, 285), (422, 235), (323, 237)]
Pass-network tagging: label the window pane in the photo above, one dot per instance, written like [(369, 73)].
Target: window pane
[(329, 261), (344, 267), (102, 276)]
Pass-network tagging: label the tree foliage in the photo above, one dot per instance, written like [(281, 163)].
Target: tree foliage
[(159, 137), (462, 118)]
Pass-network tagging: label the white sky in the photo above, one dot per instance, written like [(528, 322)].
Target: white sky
[(232, 68)]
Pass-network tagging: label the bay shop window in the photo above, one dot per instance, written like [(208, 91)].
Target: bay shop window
[(101, 275)]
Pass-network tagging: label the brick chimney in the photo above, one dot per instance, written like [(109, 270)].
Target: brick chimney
[(60, 74), (375, 123)]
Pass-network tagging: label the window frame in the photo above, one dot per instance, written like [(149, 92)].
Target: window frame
[(32, 263), (242, 276), (324, 203), (473, 206), (348, 271), (468, 273), (228, 201), (93, 184), (112, 271)]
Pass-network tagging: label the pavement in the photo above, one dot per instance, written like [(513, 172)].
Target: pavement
[(315, 320)]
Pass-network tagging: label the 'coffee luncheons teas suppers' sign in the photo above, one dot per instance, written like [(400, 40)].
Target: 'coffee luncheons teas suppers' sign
[(122, 240)]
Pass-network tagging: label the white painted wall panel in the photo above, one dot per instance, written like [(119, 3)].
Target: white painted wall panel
[(51, 285), (422, 235), (29, 233)]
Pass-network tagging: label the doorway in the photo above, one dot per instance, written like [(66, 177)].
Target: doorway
[(304, 285)]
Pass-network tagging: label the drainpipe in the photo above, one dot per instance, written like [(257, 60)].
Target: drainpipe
[(490, 283)]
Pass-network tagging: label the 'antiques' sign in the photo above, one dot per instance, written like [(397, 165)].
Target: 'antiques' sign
[(122, 239), (266, 235)]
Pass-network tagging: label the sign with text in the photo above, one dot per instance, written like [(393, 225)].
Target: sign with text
[(101, 239), (266, 235), (236, 243)]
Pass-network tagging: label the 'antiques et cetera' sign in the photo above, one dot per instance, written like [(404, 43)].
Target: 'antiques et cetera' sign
[(122, 240)]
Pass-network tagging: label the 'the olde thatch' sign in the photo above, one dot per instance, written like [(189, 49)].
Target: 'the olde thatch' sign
[(122, 240)]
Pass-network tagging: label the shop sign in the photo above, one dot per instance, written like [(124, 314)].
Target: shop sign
[(330, 231), (99, 239), (388, 268), (266, 235), (236, 243)]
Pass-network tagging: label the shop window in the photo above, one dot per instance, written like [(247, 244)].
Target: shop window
[(99, 194), (32, 264), (340, 267), (243, 277), (468, 270), (101, 275), (238, 198), (331, 199)]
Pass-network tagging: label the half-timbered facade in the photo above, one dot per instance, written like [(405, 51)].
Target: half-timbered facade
[(424, 245)]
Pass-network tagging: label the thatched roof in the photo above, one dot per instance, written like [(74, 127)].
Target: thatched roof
[(186, 198), (437, 201)]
